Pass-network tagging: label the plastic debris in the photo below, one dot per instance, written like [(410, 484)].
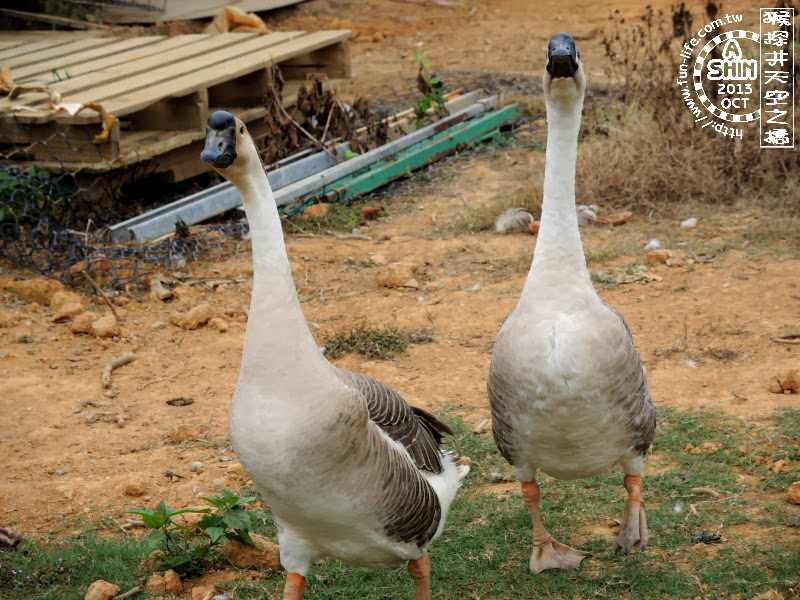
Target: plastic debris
[(653, 244), (690, 222)]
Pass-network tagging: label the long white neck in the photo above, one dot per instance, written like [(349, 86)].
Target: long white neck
[(559, 251), (279, 349)]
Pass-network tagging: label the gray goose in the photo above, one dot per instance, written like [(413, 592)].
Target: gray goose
[(567, 389), (348, 468)]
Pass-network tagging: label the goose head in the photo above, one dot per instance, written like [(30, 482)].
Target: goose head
[(229, 147), (564, 79)]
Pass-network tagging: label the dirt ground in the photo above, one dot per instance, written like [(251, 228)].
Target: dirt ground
[(74, 451)]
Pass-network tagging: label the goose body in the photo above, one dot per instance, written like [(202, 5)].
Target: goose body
[(348, 468), (567, 388)]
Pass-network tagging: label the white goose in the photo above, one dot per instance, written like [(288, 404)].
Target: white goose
[(567, 389), (349, 469)]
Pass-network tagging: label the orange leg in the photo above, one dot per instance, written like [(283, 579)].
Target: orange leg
[(633, 529), (547, 552), (295, 585), (420, 570)]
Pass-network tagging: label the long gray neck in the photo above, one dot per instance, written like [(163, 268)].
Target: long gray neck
[(559, 251)]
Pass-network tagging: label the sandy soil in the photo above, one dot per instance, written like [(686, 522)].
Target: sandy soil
[(71, 448)]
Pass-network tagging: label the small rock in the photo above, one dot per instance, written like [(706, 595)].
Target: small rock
[(158, 325), (172, 582), (690, 222), (199, 592), (62, 298), (39, 289), (793, 493), (218, 324), (316, 211), (67, 312), (155, 584), (62, 471), (411, 283), (534, 227), (196, 467), (106, 327), (396, 275), (101, 590), (266, 555), (158, 290), (619, 218), (183, 432), (82, 323), (376, 258), (370, 212), (9, 320), (197, 316), (660, 255), (786, 384), (135, 489), (781, 466), (121, 300)]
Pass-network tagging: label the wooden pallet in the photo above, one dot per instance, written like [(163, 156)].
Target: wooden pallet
[(160, 89)]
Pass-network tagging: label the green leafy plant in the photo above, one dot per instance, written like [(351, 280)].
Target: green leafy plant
[(432, 90), (186, 548)]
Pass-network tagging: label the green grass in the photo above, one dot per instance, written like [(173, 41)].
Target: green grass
[(372, 342), (63, 569), (483, 552)]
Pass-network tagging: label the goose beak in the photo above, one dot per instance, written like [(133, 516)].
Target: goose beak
[(562, 56), (220, 148)]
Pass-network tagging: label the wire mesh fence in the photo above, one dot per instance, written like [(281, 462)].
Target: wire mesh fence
[(55, 207)]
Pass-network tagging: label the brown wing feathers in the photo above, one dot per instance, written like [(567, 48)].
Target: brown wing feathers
[(416, 429)]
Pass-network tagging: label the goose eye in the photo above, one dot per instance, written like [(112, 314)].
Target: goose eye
[(241, 129)]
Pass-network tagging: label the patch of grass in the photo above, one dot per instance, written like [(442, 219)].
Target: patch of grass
[(604, 254), (341, 217), (372, 342), (64, 569), (484, 549)]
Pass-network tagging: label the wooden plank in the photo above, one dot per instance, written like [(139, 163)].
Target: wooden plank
[(185, 112), (224, 71), (86, 74), (211, 54), (98, 85), (131, 56), (62, 50), (30, 47), (333, 61), (176, 152), (71, 62), (5, 45)]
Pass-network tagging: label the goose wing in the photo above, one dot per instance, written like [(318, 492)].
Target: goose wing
[(633, 392), (416, 429)]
